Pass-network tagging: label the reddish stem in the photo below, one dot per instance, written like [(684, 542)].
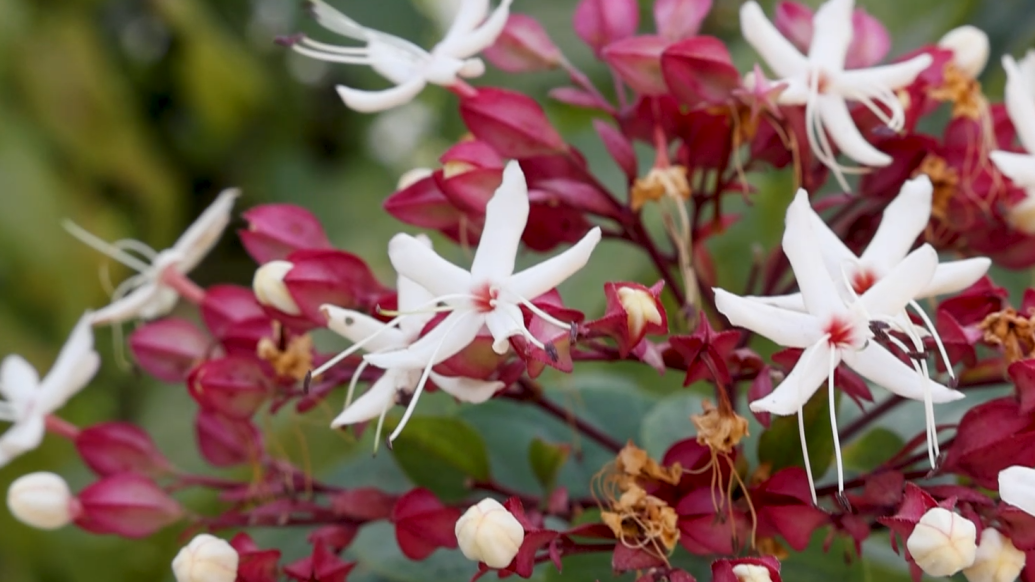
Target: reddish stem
[(62, 427), (186, 288), (462, 89), (532, 393)]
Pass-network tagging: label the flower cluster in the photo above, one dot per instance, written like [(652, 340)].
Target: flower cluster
[(880, 283)]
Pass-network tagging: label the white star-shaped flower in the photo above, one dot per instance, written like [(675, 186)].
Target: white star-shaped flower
[(403, 63), (145, 295), (1020, 168), (28, 401), (820, 82)]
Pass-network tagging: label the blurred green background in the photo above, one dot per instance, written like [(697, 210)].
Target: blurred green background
[(130, 115)]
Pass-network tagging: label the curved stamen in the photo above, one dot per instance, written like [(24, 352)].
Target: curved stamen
[(104, 247), (141, 248), (333, 48), (833, 422), (332, 57), (937, 338), (380, 426), (355, 380), (805, 455), (542, 314)]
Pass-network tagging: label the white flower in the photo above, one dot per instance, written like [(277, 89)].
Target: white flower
[(820, 82), (490, 294), (403, 63), (997, 559), (751, 573), (488, 533), (969, 46), (145, 295), (1017, 487), (416, 307), (640, 308), (41, 500), (268, 285), (28, 400), (943, 542), (831, 330), (1020, 168), (206, 559)]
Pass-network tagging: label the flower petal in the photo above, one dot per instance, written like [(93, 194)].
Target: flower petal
[(1017, 487), (841, 127), (505, 322), (954, 276), (474, 40), (836, 256), (469, 14), (411, 296), (75, 366), (804, 252), (129, 306), (451, 335), (374, 101), (505, 219), (22, 437), (1020, 103), (335, 21), (803, 381), (1019, 168), (791, 301), (204, 233), (892, 292), (878, 365), (534, 281), (832, 34), (467, 389), (414, 260), (378, 398), (356, 327), (903, 220), (783, 326), (893, 76), (777, 51), (18, 379)]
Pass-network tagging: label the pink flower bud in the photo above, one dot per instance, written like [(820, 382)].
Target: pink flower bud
[(41, 500), (127, 505), (423, 524), (637, 61), (364, 504), (331, 276), (512, 123), (169, 348), (206, 559), (488, 533), (423, 204), (700, 70), (226, 442), (226, 305), (233, 386), (120, 447), (679, 19), (794, 21), (870, 41), (601, 22), (523, 47), (619, 147), (276, 230)]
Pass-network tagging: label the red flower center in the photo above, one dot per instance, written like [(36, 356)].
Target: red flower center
[(862, 280), (485, 297), (840, 332)]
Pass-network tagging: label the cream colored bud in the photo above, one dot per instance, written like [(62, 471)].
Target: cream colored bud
[(751, 573), (206, 559), (969, 46), (488, 533), (943, 542), (1022, 215), (640, 308), (412, 177), (269, 287), (997, 559), (41, 500)]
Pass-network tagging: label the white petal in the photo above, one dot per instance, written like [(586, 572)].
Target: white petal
[(1017, 487), (18, 379), (504, 322), (804, 252), (411, 296), (892, 292), (878, 365), (534, 281), (378, 398), (787, 328), (356, 327), (838, 123), (1020, 103), (467, 389), (469, 14), (903, 220), (451, 335), (831, 34), (130, 306), (335, 21), (204, 233), (781, 56), (837, 257), (414, 260), (75, 366), (792, 301), (505, 219), (162, 303), (463, 45), (893, 76), (800, 384), (374, 101), (954, 276), (1019, 168), (22, 437)]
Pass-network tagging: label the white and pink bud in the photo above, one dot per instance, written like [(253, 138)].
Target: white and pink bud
[(751, 573), (488, 533), (41, 500), (969, 46), (206, 559), (270, 290), (943, 542), (997, 559)]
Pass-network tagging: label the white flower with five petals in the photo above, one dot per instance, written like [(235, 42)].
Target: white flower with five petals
[(403, 63), (144, 295), (28, 400), (1020, 168), (820, 82)]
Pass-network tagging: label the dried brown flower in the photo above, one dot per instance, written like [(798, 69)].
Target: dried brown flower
[(293, 360), (1012, 332), (658, 183), (720, 430)]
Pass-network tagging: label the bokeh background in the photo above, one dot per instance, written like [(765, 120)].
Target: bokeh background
[(128, 116)]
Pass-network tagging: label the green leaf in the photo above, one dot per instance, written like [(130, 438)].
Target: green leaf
[(441, 453), (380, 559), (546, 460), (875, 447), (780, 444), (669, 422)]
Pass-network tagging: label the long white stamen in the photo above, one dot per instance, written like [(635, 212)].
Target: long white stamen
[(141, 248), (805, 455), (934, 334), (380, 426), (102, 246), (833, 423), (354, 381), (527, 334), (921, 368), (355, 347), (331, 57), (126, 287), (335, 49), (542, 314)]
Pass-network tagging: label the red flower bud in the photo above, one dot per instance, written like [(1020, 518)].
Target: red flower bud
[(321, 565), (679, 19), (254, 564), (423, 524), (1022, 374), (335, 537), (423, 204), (226, 305), (127, 505), (226, 442), (512, 123), (276, 230), (233, 386), (783, 504), (523, 47), (168, 348), (619, 147), (633, 311), (601, 22), (364, 504), (331, 276), (119, 447), (637, 61), (699, 70), (794, 21)]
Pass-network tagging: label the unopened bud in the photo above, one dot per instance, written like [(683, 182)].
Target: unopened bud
[(640, 307), (488, 533), (969, 46), (751, 573), (412, 177), (997, 559), (1017, 487), (269, 287), (206, 559), (943, 542), (41, 500)]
